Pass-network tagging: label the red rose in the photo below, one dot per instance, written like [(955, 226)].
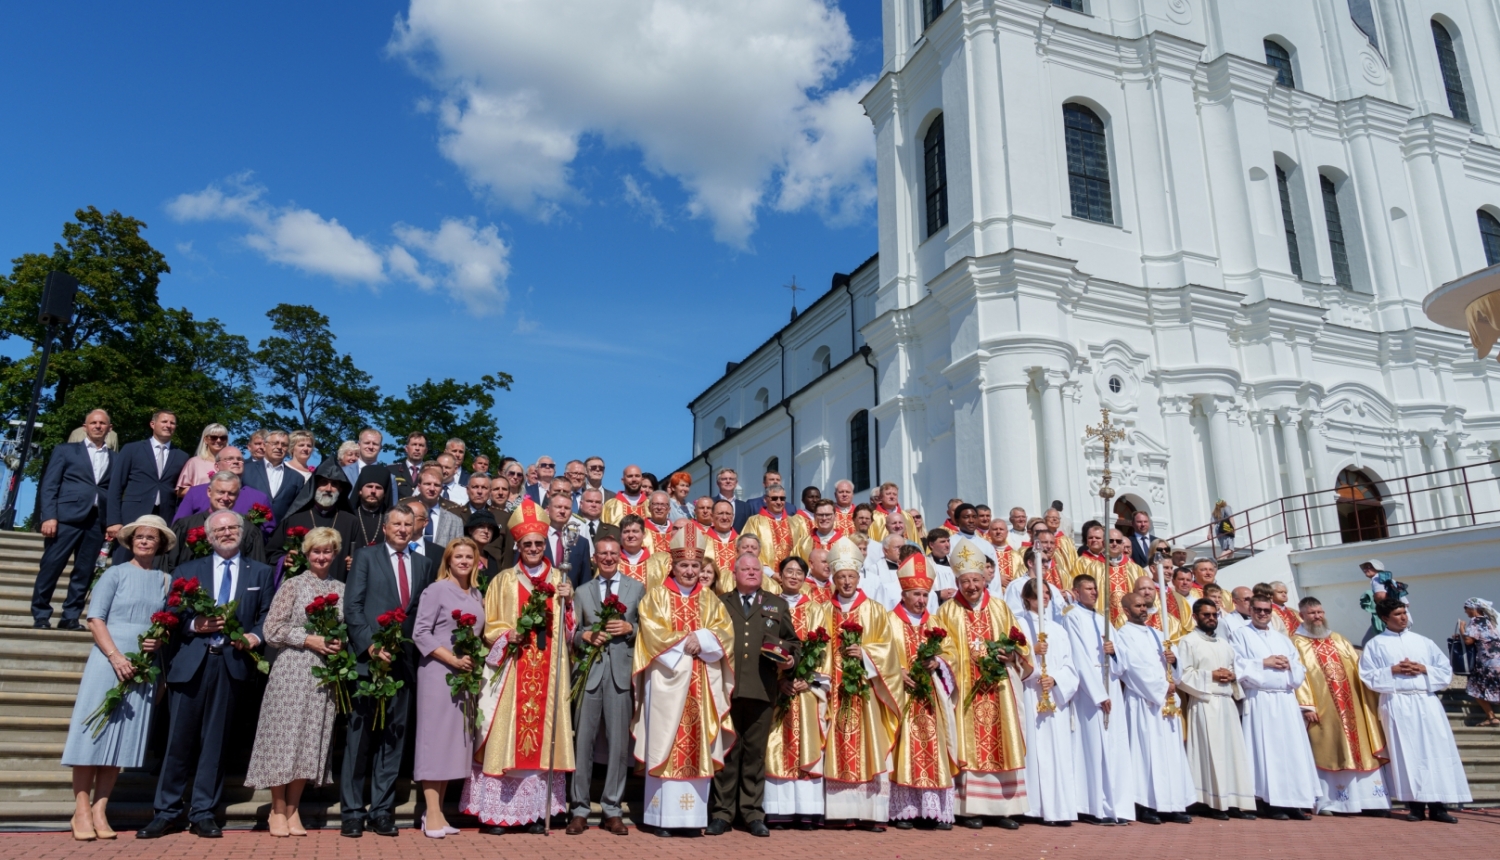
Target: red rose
[(1017, 636), (614, 604), (384, 619), (819, 635), (191, 584), (311, 608), (165, 619), (331, 599), (468, 621), (261, 509), (852, 625), (195, 535), (179, 584), (398, 615), (174, 599), (546, 588), (937, 634), (296, 531), (458, 615)]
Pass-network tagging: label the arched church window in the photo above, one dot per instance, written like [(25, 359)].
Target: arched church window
[(1088, 164)]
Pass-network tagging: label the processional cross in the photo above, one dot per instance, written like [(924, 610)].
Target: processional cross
[(1109, 434)]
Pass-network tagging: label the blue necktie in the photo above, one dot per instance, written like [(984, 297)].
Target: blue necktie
[(226, 594), (427, 529)]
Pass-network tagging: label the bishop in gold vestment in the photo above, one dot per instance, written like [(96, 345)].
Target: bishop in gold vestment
[(990, 745), (861, 727), (794, 749), (528, 728), (922, 784), (683, 683), (1348, 743)]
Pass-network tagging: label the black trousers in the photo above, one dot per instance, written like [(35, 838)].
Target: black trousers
[(373, 754), (200, 711), (80, 541), (740, 787)]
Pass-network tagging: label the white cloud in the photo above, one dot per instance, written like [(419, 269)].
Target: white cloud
[(473, 259), (638, 194), (728, 97)]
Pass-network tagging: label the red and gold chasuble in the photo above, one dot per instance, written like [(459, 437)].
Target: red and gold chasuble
[(721, 552), (1289, 617), (794, 748), (990, 734), (843, 519), (1119, 578), (657, 538), (683, 761), (921, 753), (638, 507), (781, 535), (862, 729), (817, 541), (636, 570)]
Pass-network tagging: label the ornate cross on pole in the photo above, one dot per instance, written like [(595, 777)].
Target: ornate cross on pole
[(795, 290), (1109, 434)]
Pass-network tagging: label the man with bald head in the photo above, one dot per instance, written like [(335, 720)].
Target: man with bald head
[(1240, 617), (631, 500), (74, 498), (658, 522)]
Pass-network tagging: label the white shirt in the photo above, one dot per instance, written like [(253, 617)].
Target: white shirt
[(234, 572), (99, 458), (274, 476), (608, 586), (456, 493), (159, 450), (587, 529)]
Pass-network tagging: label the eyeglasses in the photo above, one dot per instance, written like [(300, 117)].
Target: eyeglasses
[(1261, 610), (218, 438), (596, 468), (1117, 540)]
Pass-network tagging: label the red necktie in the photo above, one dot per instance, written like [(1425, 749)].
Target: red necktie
[(558, 560), (401, 580)]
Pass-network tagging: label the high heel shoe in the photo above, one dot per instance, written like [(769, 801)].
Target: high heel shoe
[(280, 832), (434, 834), (294, 824), (83, 834)]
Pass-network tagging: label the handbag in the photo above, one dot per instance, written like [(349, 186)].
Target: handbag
[(1463, 656)]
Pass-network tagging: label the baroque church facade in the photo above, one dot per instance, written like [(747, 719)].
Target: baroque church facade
[(1216, 220)]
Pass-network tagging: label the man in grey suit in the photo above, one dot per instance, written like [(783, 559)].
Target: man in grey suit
[(385, 576), (74, 496), (607, 692)]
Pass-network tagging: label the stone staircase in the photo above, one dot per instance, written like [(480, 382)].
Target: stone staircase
[(1479, 747)]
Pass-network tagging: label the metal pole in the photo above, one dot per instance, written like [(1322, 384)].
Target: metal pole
[(559, 642), (8, 515)]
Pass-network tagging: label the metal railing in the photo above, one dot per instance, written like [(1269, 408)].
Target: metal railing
[(1414, 504)]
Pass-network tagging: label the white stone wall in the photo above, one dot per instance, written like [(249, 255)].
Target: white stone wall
[(997, 337)]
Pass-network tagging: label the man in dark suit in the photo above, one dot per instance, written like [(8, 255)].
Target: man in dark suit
[(205, 674), (406, 469), (223, 494), (727, 480), (546, 470), (280, 482), (607, 701), (765, 640), (74, 494), (143, 479), (386, 576), (769, 480), (1141, 539)]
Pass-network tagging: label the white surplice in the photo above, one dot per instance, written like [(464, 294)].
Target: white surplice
[(1215, 741), (1163, 779), (1051, 754), (1275, 734), (1424, 765), (1105, 782)]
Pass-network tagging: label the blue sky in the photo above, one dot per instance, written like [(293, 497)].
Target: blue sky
[(605, 210)]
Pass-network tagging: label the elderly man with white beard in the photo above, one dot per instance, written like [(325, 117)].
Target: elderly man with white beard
[(1408, 670), (1104, 777), (1270, 672)]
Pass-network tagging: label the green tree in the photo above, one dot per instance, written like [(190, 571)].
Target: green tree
[(446, 410), (312, 385), (122, 351)]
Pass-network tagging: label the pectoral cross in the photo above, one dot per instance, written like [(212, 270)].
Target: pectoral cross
[(1108, 433)]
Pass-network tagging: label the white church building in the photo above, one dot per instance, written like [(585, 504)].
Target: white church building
[(1218, 220)]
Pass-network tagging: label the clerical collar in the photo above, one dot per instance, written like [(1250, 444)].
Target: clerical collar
[(792, 598), (636, 558), (983, 598), (941, 561), (824, 537), (846, 602), (639, 497), (685, 590)]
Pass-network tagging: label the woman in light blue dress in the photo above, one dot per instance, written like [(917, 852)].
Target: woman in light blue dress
[(120, 610)]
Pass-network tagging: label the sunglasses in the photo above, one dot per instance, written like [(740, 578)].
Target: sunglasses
[(1117, 540), (775, 498), (218, 438), (596, 468), (1261, 610)]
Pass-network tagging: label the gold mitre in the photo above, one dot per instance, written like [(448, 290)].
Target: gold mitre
[(966, 560), (688, 542), (844, 555), (528, 519)]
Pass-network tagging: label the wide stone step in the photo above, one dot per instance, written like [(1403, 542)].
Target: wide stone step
[(34, 729), (37, 704), (30, 755), (38, 681)]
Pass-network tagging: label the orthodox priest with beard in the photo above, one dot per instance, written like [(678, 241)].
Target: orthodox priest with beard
[(683, 682), (371, 501), (322, 503)]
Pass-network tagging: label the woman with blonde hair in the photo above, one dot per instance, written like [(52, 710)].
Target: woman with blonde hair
[(297, 713), (199, 469), (348, 452), (120, 610), (445, 732), (301, 445)]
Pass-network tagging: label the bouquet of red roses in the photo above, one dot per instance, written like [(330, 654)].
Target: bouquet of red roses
[(145, 667), (197, 541), (380, 686), (535, 620), (202, 603), (259, 514), (814, 648), (338, 670), (855, 684), (467, 643), (295, 562), (921, 677), (991, 664), (612, 610)]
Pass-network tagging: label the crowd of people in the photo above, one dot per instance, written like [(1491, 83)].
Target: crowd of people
[(837, 663)]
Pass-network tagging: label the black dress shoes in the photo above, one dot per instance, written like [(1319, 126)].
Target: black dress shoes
[(1178, 818), (1298, 815), (492, 830), (973, 822), (1147, 816), (70, 625), (758, 828), (904, 824), (352, 827), (41, 625), (538, 827), (1439, 812), (1242, 815), (718, 827), (206, 828), (945, 825), (384, 824), (1215, 814), (158, 827), (1008, 824)]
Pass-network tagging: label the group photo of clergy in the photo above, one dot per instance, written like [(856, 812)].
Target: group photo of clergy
[(525, 646)]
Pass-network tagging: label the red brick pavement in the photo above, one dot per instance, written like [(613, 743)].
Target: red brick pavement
[(1477, 834)]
